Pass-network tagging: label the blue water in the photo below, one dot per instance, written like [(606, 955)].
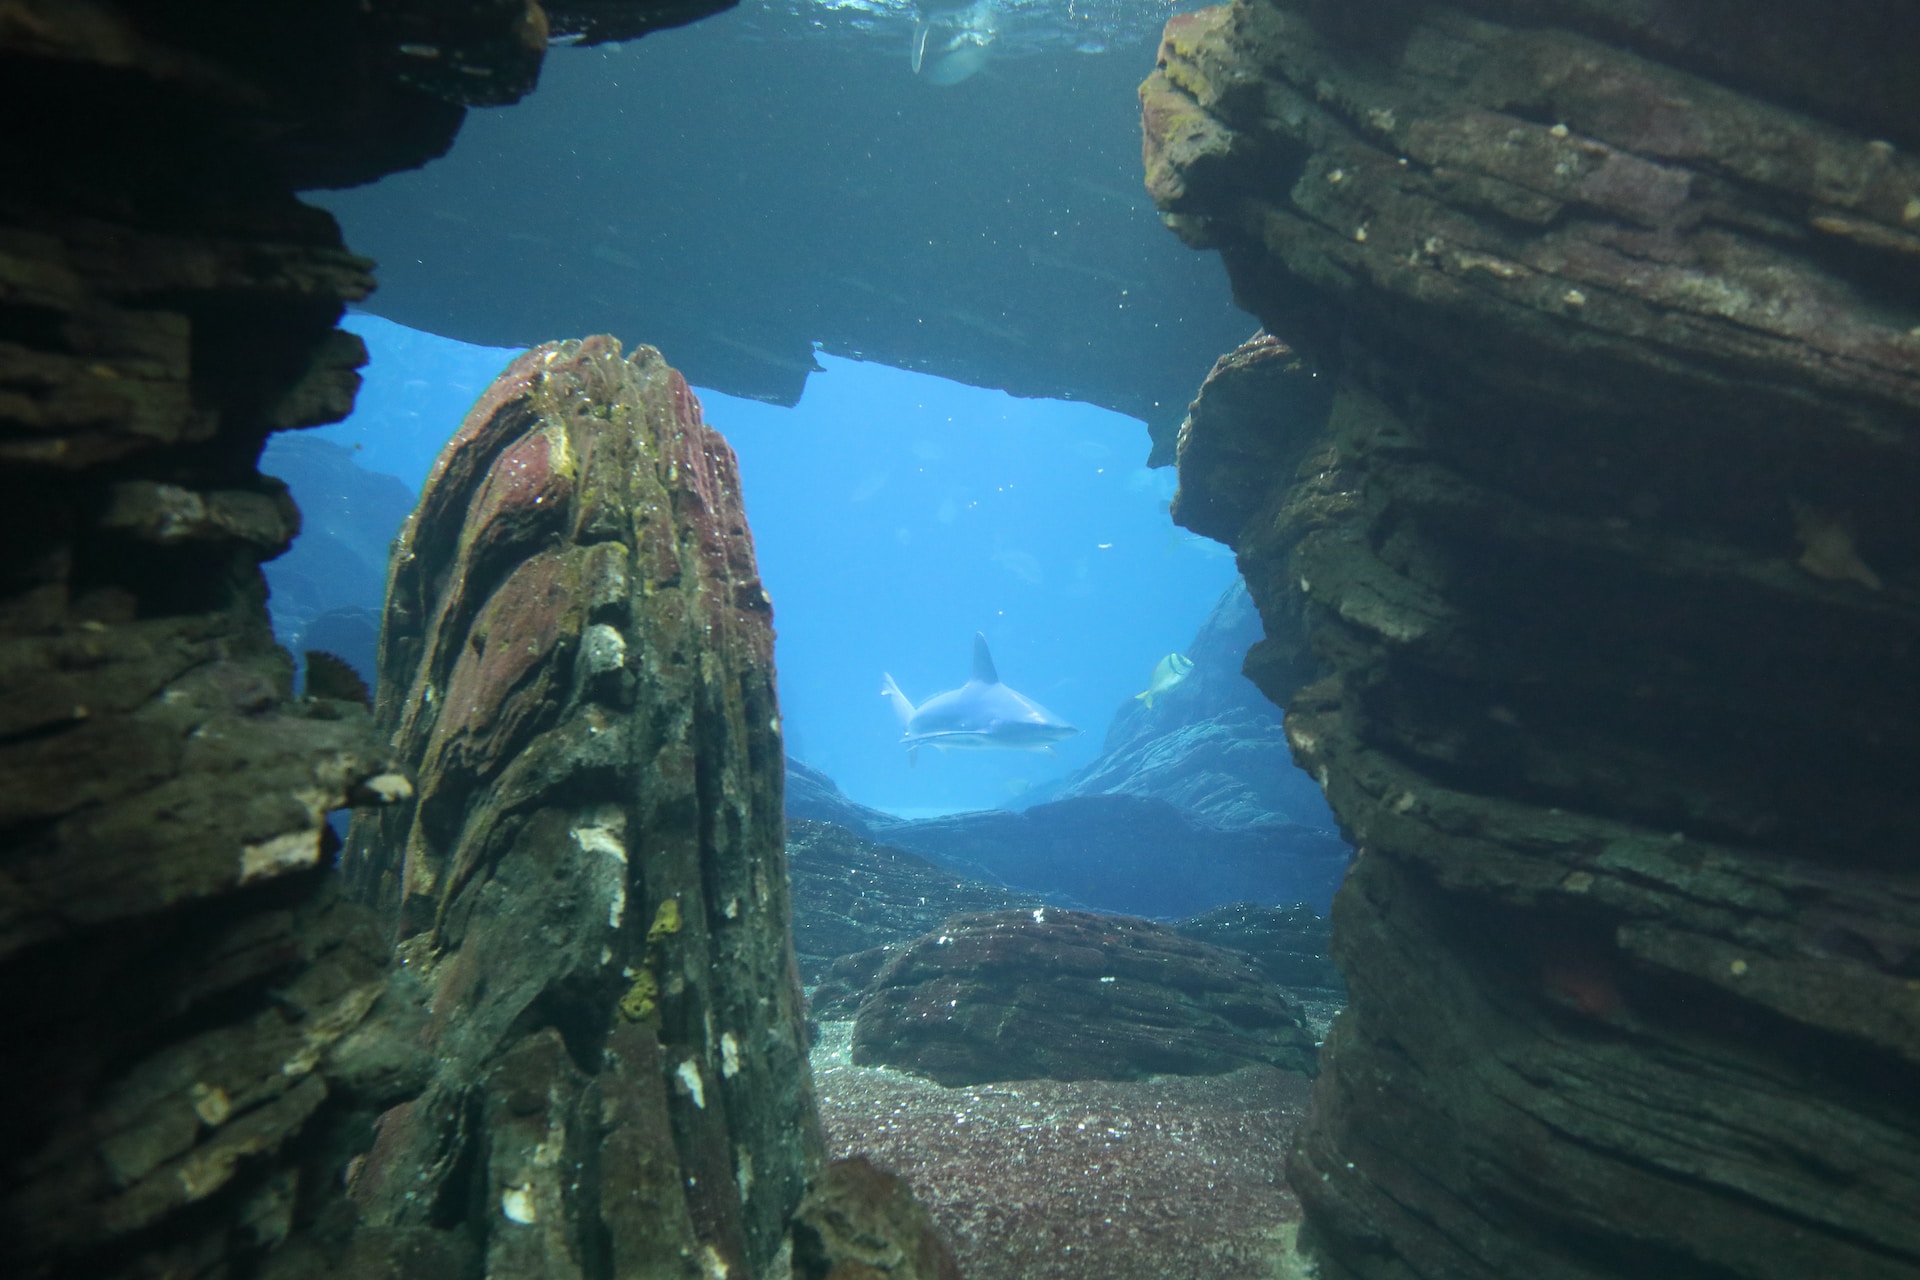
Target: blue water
[(894, 515)]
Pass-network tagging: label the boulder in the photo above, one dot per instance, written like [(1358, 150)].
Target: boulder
[(851, 895), (1287, 944), (1070, 995), (859, 1222)]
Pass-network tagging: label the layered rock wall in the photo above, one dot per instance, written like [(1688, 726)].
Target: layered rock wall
[(191, 1013), (1574, 486)]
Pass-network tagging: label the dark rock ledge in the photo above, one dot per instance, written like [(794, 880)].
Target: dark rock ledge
[(1574, 487)]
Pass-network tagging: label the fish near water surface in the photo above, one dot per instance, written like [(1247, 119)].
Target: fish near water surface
[(1167, 675), (981, 715)]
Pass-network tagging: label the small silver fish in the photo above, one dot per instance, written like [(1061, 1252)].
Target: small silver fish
[(1171, 670)]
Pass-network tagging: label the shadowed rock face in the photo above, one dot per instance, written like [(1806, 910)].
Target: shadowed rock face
[(863, 1223), (577, 663), (1577, 505), (197, 1024), (1068, 995)]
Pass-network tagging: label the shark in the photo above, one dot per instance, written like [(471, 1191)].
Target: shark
[(981, 715)]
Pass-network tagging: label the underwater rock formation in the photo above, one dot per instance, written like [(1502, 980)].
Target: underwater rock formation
[(1287, 944), (851, 895), (1133, 854), (1574, 488), (857, 904), (190, 1010), (814, 797), (577, 666), (872, 214), (1068, 995), (1213, 746)]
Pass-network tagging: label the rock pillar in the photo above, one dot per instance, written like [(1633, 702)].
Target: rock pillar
[(1575, 486), (577, 666)]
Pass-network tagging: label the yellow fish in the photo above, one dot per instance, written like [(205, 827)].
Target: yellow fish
[(1171, 670)]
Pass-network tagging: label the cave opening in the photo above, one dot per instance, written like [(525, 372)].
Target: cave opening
[(951, 349)]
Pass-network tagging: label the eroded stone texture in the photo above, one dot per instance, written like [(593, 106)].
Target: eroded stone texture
[(577, 663), (191, 1015), (1577, 504), (1069, 995), (1287, 944), (863, 1223)]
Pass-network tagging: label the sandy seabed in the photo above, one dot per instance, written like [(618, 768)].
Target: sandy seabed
[(1172, 1178)]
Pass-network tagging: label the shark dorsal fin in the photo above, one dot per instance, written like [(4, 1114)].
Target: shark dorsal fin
[(983, 661), (921, 28)]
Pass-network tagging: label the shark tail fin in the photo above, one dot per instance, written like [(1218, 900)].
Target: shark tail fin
[(902, 705), (983, 668)]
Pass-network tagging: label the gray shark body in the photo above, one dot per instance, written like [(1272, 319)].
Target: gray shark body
[(981, 715)]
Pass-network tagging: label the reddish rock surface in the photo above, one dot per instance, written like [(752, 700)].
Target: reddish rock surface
[(1591, 587), (577, 664)]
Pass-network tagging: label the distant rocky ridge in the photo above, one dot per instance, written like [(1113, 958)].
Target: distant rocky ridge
[(1193, 803), (348, 518), (325, 593), (1070, 995), (1137, 855), (1213, 745), (858, 903)]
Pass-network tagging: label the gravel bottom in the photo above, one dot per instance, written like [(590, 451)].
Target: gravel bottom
[(1173, 1178)]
